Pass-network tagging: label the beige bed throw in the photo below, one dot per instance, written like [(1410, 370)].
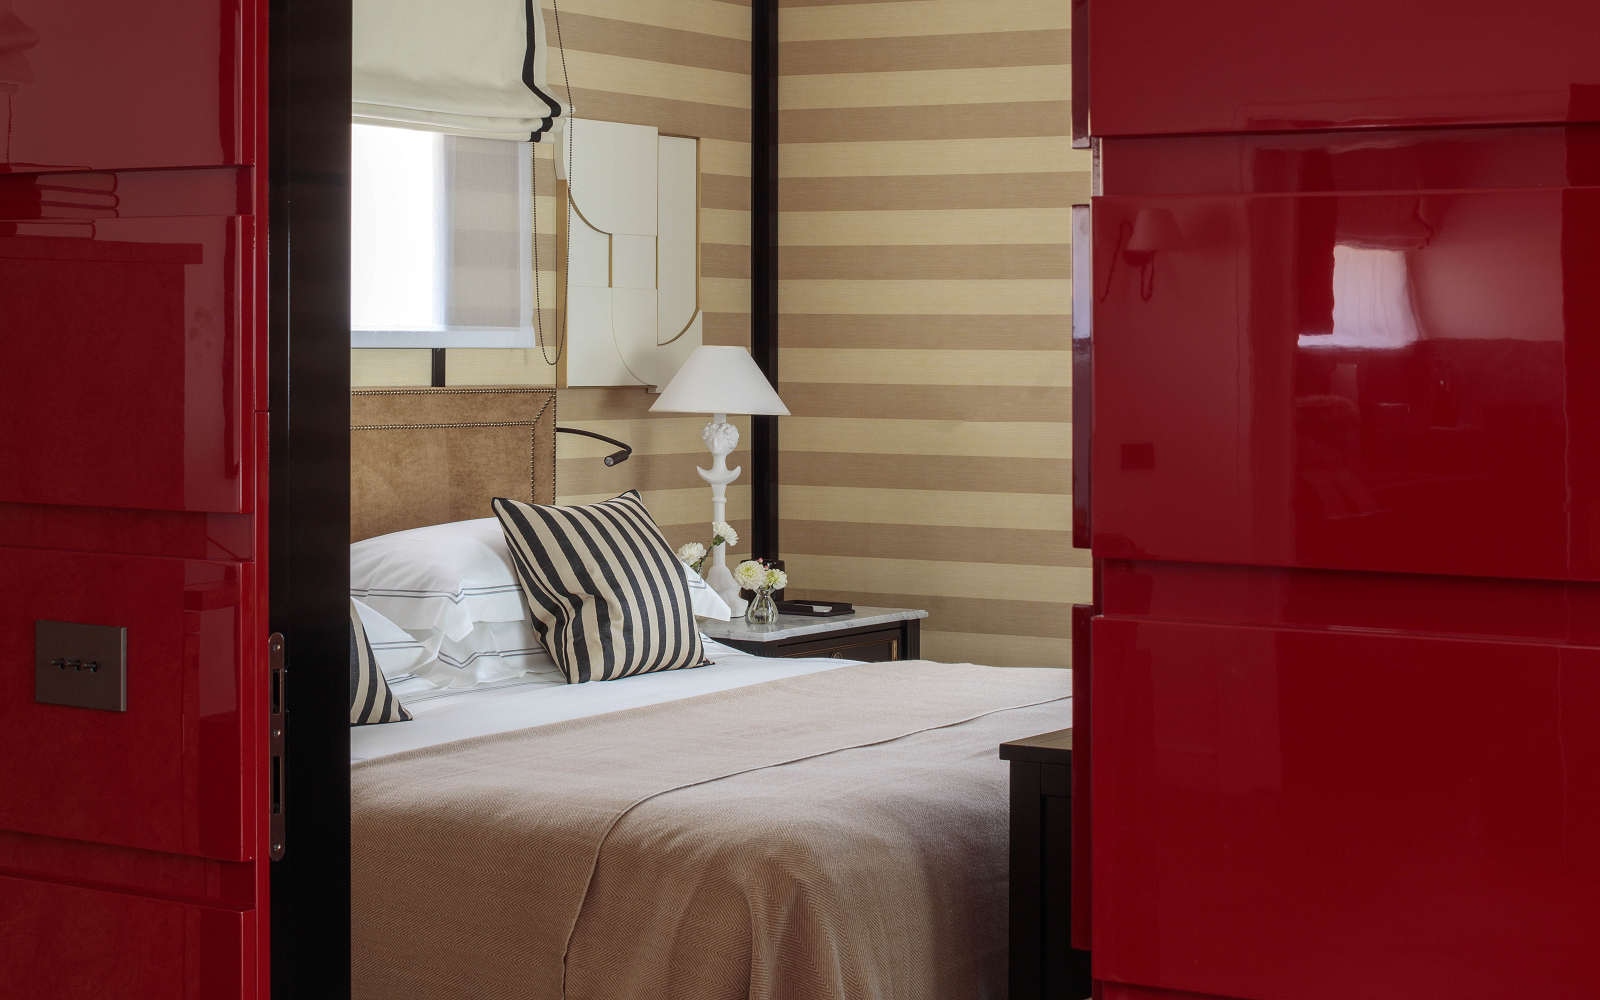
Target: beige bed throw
[(834, 835)]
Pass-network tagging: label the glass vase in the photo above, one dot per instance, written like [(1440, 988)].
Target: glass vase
[(762, 610)]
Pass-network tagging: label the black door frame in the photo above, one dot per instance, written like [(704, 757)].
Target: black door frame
[(764, 541), (308, 237)]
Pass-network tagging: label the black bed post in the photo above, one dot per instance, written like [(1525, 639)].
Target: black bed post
[(309, 469), (764, 268)]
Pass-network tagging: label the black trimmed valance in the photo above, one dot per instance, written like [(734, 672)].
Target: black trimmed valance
[(463, 67)]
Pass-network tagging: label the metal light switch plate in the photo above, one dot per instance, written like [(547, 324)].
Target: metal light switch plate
[(85, 666)]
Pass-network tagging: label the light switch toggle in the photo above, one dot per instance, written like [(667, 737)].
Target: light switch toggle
[(83, 666), (62, 664)]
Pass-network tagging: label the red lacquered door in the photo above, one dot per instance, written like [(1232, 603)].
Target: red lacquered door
[(133, 856), (1344, 498), (1346, 395)]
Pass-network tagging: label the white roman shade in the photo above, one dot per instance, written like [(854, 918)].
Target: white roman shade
[(464, 67)]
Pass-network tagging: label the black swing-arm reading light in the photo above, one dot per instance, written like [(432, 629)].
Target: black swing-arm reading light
[(612, 459)]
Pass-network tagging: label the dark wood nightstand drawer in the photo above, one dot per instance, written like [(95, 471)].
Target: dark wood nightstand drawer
[(871, 649)]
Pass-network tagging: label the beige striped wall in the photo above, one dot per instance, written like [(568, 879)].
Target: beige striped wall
[(926, 184), (927, 179), (682, 66)]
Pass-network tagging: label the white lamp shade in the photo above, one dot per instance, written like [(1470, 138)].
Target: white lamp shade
[(720, 380)]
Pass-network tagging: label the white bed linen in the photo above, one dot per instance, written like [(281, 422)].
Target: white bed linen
[(444, 576), (442, 716)]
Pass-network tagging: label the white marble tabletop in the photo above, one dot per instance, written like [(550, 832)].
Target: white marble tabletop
[(791, 626)]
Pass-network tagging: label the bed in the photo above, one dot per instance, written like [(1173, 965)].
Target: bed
[(751, 827)]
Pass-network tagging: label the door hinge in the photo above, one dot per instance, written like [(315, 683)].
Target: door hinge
[(277, 776)]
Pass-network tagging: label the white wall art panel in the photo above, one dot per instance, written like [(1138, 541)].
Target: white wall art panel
[(633, 323), (614, 175), (633, 262), (591, 345), (678, 221), (678, 264), (633, 215), (589, 256), (671, 356)]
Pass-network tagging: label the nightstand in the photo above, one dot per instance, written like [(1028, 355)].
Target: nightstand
[(875, 635), (1044, 965)]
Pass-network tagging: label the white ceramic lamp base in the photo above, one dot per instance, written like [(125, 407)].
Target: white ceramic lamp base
[(721, 438)]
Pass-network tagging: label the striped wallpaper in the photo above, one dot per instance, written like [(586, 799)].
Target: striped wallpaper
[(926, 184), (682, 66)]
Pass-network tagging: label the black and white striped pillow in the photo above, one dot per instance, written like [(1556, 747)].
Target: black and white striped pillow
[(608, 595), (371, 701)]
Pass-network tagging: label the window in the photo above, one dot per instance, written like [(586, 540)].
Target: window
[(441, 240)]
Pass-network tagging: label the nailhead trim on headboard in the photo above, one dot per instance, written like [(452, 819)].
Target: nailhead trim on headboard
[(533, 457)]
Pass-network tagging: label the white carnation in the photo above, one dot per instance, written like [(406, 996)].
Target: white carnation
[(749, 574), (723, 531), (692, 553), (776, 579)]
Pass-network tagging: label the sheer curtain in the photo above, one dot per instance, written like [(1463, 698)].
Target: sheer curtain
[(1371, 301), (441, 240)]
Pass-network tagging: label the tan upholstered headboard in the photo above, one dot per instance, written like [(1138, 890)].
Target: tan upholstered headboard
[(428, 456)]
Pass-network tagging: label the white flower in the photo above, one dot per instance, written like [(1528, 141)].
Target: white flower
[(722, 531), (776, 579), (692, 553), (749, 574)]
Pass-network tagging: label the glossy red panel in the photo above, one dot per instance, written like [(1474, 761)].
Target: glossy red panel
[(166, 775), (1285, 814), (1532, 610), (228, 537), (1398, 382), (126, 869), (1123, 991), (95, 84), (124, 194), (1264, 65), (1397, 160), (120, 371), (66, 942)]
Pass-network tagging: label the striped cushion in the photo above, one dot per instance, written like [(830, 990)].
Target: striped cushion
[(609, 598), (371, 701)]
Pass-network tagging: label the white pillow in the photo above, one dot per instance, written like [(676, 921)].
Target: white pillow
[(492, 651), (707, 602), (444, 577), (397, 651)]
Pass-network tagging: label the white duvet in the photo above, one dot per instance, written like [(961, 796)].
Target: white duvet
[(444, 715)]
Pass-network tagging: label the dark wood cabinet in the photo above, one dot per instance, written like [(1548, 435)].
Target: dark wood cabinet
[(1044, 965)]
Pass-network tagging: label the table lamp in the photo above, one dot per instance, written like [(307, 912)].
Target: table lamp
[(720, 381)]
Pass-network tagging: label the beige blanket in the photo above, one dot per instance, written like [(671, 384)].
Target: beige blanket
[(834, 835)]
